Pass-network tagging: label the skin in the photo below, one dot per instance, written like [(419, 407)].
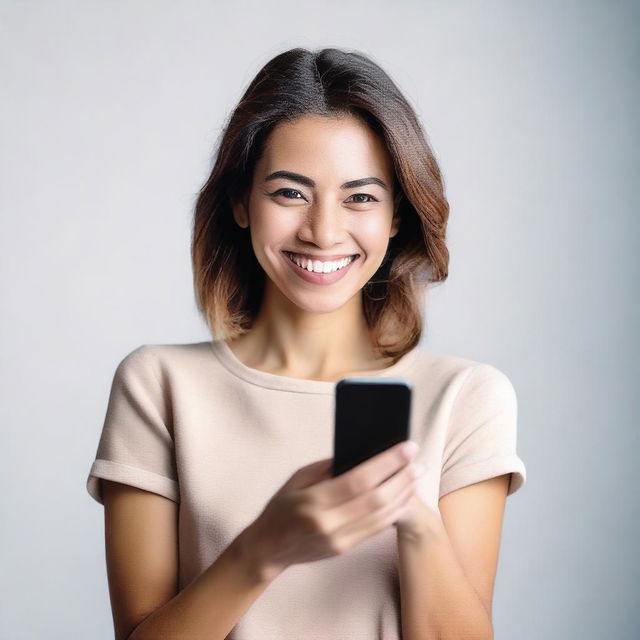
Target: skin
[(307, 330)]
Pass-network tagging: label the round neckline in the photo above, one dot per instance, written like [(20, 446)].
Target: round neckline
[(288, 383)]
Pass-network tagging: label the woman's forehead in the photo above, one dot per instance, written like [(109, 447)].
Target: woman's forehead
[(326, 150)]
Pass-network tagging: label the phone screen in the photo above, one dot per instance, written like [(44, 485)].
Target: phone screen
[(371, 415)]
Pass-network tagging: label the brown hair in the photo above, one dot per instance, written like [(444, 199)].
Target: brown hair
[(229, 281)]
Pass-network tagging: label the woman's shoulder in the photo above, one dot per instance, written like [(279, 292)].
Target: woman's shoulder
[(446, 368), (440, 362), (165, 356)]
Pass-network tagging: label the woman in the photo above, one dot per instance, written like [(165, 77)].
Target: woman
[(315, 237)]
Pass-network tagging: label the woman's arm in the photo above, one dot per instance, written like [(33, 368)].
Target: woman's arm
[(141, 536), (447, 574), (209, 607)]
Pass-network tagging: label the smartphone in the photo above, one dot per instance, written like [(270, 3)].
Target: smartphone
[(371, 415)]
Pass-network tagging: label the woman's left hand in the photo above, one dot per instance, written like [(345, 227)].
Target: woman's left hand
[(417, 520)]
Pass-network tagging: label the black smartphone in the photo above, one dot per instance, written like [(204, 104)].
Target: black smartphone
[(371, 415)]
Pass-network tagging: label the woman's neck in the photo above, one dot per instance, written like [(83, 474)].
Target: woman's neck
[(306, 355)]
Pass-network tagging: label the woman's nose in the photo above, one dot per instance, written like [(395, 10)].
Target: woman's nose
[(324, 225)]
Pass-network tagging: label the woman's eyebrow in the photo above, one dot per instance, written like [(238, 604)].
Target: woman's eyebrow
[(308, 182)]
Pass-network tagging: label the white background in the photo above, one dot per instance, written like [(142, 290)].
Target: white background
[(108, 118)]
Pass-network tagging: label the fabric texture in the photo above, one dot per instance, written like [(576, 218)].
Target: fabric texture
[(192, 423)]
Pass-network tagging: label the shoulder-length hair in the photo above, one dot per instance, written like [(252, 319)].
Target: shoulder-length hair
[(229, 281)]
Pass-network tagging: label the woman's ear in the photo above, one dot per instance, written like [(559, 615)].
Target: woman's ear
[(395, 225), (240, 214)]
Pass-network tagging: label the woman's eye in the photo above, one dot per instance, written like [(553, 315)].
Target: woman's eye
[(355, 195), (366, 195), (283, 191)]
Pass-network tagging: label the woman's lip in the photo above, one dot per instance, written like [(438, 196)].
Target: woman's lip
[(322, 258), (318, 278)]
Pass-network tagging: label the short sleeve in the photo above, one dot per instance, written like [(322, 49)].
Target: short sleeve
[(482, 432), (136, 445)]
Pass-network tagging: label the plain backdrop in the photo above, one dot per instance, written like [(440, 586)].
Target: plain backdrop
[(109, 115)]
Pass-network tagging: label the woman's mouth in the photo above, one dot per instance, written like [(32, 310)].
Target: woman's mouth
[(317, 271)]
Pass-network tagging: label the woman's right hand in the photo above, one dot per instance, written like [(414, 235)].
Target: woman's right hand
[(315, 516)]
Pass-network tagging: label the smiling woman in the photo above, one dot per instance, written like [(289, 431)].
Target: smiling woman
[(314, 240), (323, 220), (326, 146)]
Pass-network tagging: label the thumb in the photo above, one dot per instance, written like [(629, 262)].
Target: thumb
[(311, 473)]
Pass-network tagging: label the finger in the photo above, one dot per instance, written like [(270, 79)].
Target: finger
[(311, 474), (363, 477), (373, 523), (375, 500)]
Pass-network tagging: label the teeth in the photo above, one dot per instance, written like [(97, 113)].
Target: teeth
[(317, 266)]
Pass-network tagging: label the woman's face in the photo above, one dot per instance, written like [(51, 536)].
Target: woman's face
[(316, 214)]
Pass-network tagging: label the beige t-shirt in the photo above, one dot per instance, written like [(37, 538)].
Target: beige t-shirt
[(193, 423)]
